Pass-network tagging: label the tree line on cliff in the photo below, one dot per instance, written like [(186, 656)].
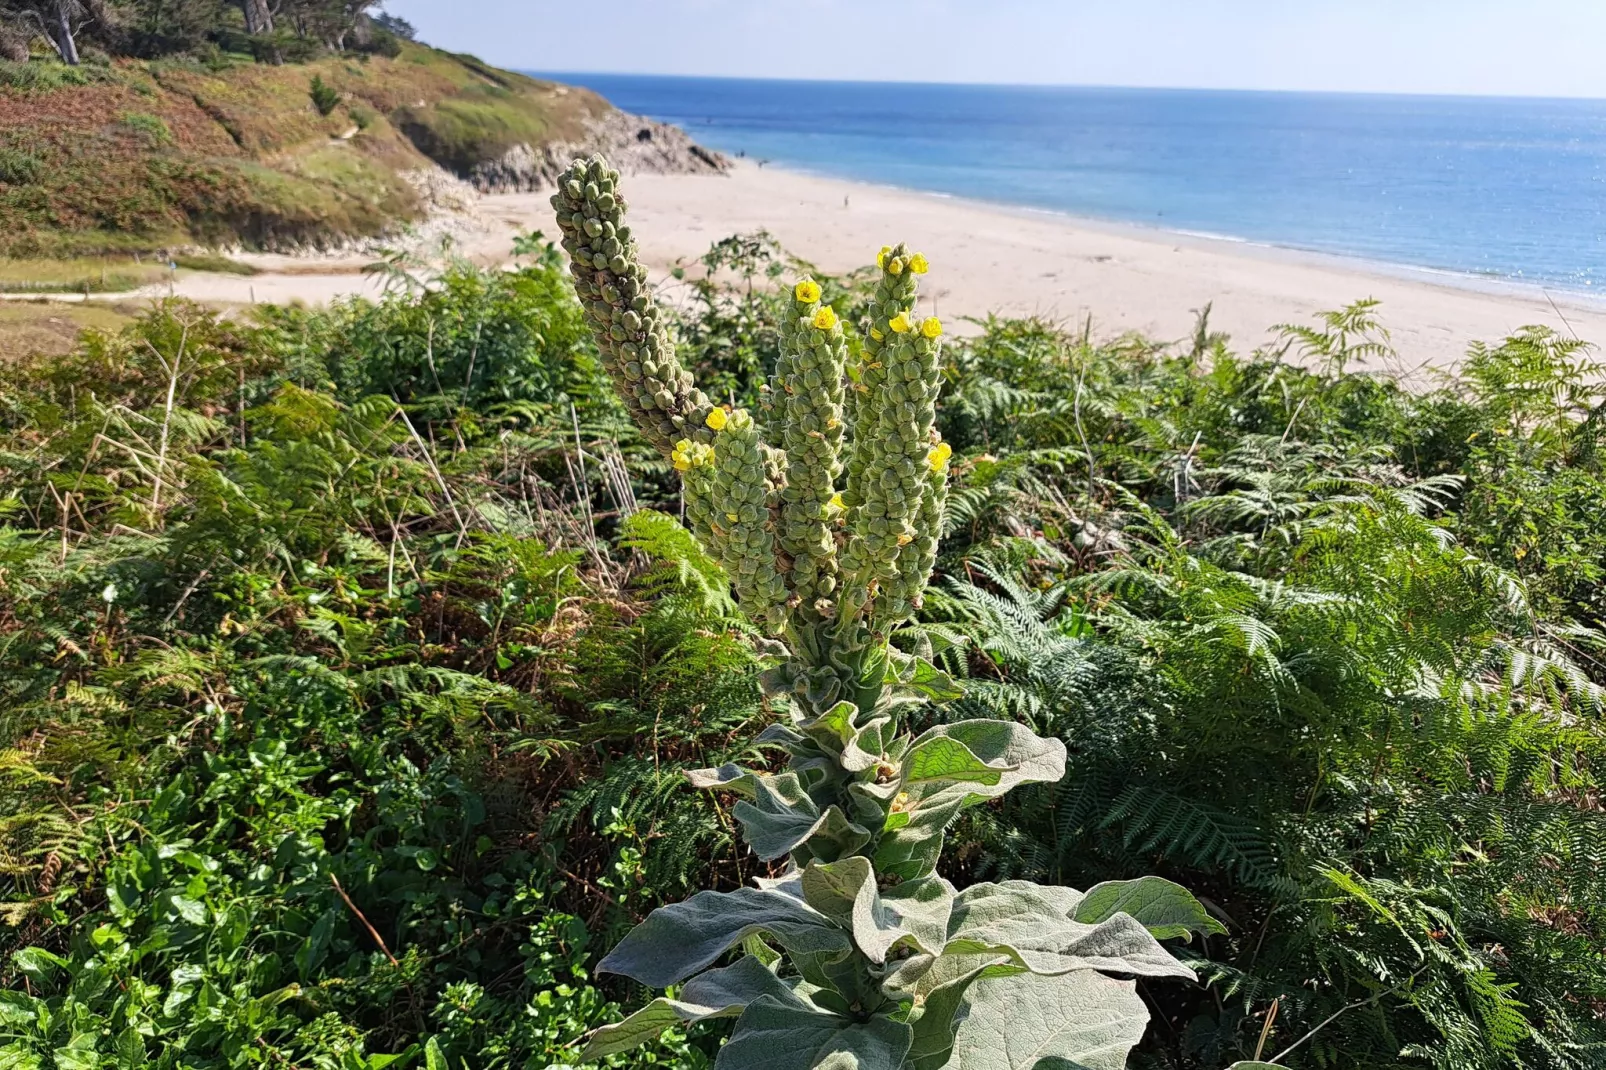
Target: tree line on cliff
[(271, 30)]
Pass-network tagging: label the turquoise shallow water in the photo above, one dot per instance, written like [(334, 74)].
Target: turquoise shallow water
[(1510, 189)]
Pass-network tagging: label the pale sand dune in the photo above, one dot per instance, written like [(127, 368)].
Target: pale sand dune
[(989, 258)]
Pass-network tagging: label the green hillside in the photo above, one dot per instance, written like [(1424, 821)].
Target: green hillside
[(131, 156)]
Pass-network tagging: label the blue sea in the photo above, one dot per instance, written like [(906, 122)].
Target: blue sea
[(1509, 189)]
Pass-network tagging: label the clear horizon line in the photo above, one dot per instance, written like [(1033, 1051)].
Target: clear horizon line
[(1442, 94)]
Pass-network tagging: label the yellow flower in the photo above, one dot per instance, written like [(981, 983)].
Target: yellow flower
[(1522, 552), (937, 457), (881, 257), (825, 318), (900, 323), (807, 291), (895, 265), (918, 264), (877, 335), (836, 502), (905, 539), (716, 419), (932, 328)]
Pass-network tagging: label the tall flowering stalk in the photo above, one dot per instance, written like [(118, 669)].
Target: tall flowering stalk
[(858, 954)]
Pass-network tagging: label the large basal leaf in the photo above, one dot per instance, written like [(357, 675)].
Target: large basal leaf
[(715, 994), (679, 940), (1167, 910), (1079, 1021), (771, 1035), (911, 913), (1026, 922)]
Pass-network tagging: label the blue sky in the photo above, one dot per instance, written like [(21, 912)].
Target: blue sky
[(1524, 47)]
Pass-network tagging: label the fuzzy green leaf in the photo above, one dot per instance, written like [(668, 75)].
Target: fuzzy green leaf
[(1081, 1021), (1167, 910), (1026, 923), (715, 994), (1011, 751), (682, 939), (913, 913), (771, 1035)]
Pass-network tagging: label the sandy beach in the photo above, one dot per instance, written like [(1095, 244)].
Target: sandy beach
[(988, 258)]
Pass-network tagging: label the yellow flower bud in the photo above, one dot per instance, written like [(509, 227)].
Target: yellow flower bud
[(932, 328), (895, 265), (881, 257), (807, 291), (918, 264), (900, 323), (877, 335), (825, 318), (905, 540), (836, 502), (716, 419)]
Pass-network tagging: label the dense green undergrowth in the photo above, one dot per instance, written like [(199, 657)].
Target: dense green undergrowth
[(348, 660)]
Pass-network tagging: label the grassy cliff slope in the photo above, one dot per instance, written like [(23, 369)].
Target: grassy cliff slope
[(144, 156)]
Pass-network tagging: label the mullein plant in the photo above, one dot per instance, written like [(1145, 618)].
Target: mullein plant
[(826, 515)]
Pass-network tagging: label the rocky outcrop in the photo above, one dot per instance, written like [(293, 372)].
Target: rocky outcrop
[(631, 143)]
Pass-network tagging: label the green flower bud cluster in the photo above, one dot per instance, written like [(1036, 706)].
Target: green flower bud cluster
[(831, 566), (630, 331), (728, 500), (896, 489), (809, 403), (894, 296)]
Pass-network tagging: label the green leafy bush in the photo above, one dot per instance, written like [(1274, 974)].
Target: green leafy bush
[(324, 96)]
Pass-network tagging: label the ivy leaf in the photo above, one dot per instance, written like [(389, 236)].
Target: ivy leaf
[(771, 1035), (720, 993), (1080, 1021), (1167, 910), (682, 939)]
